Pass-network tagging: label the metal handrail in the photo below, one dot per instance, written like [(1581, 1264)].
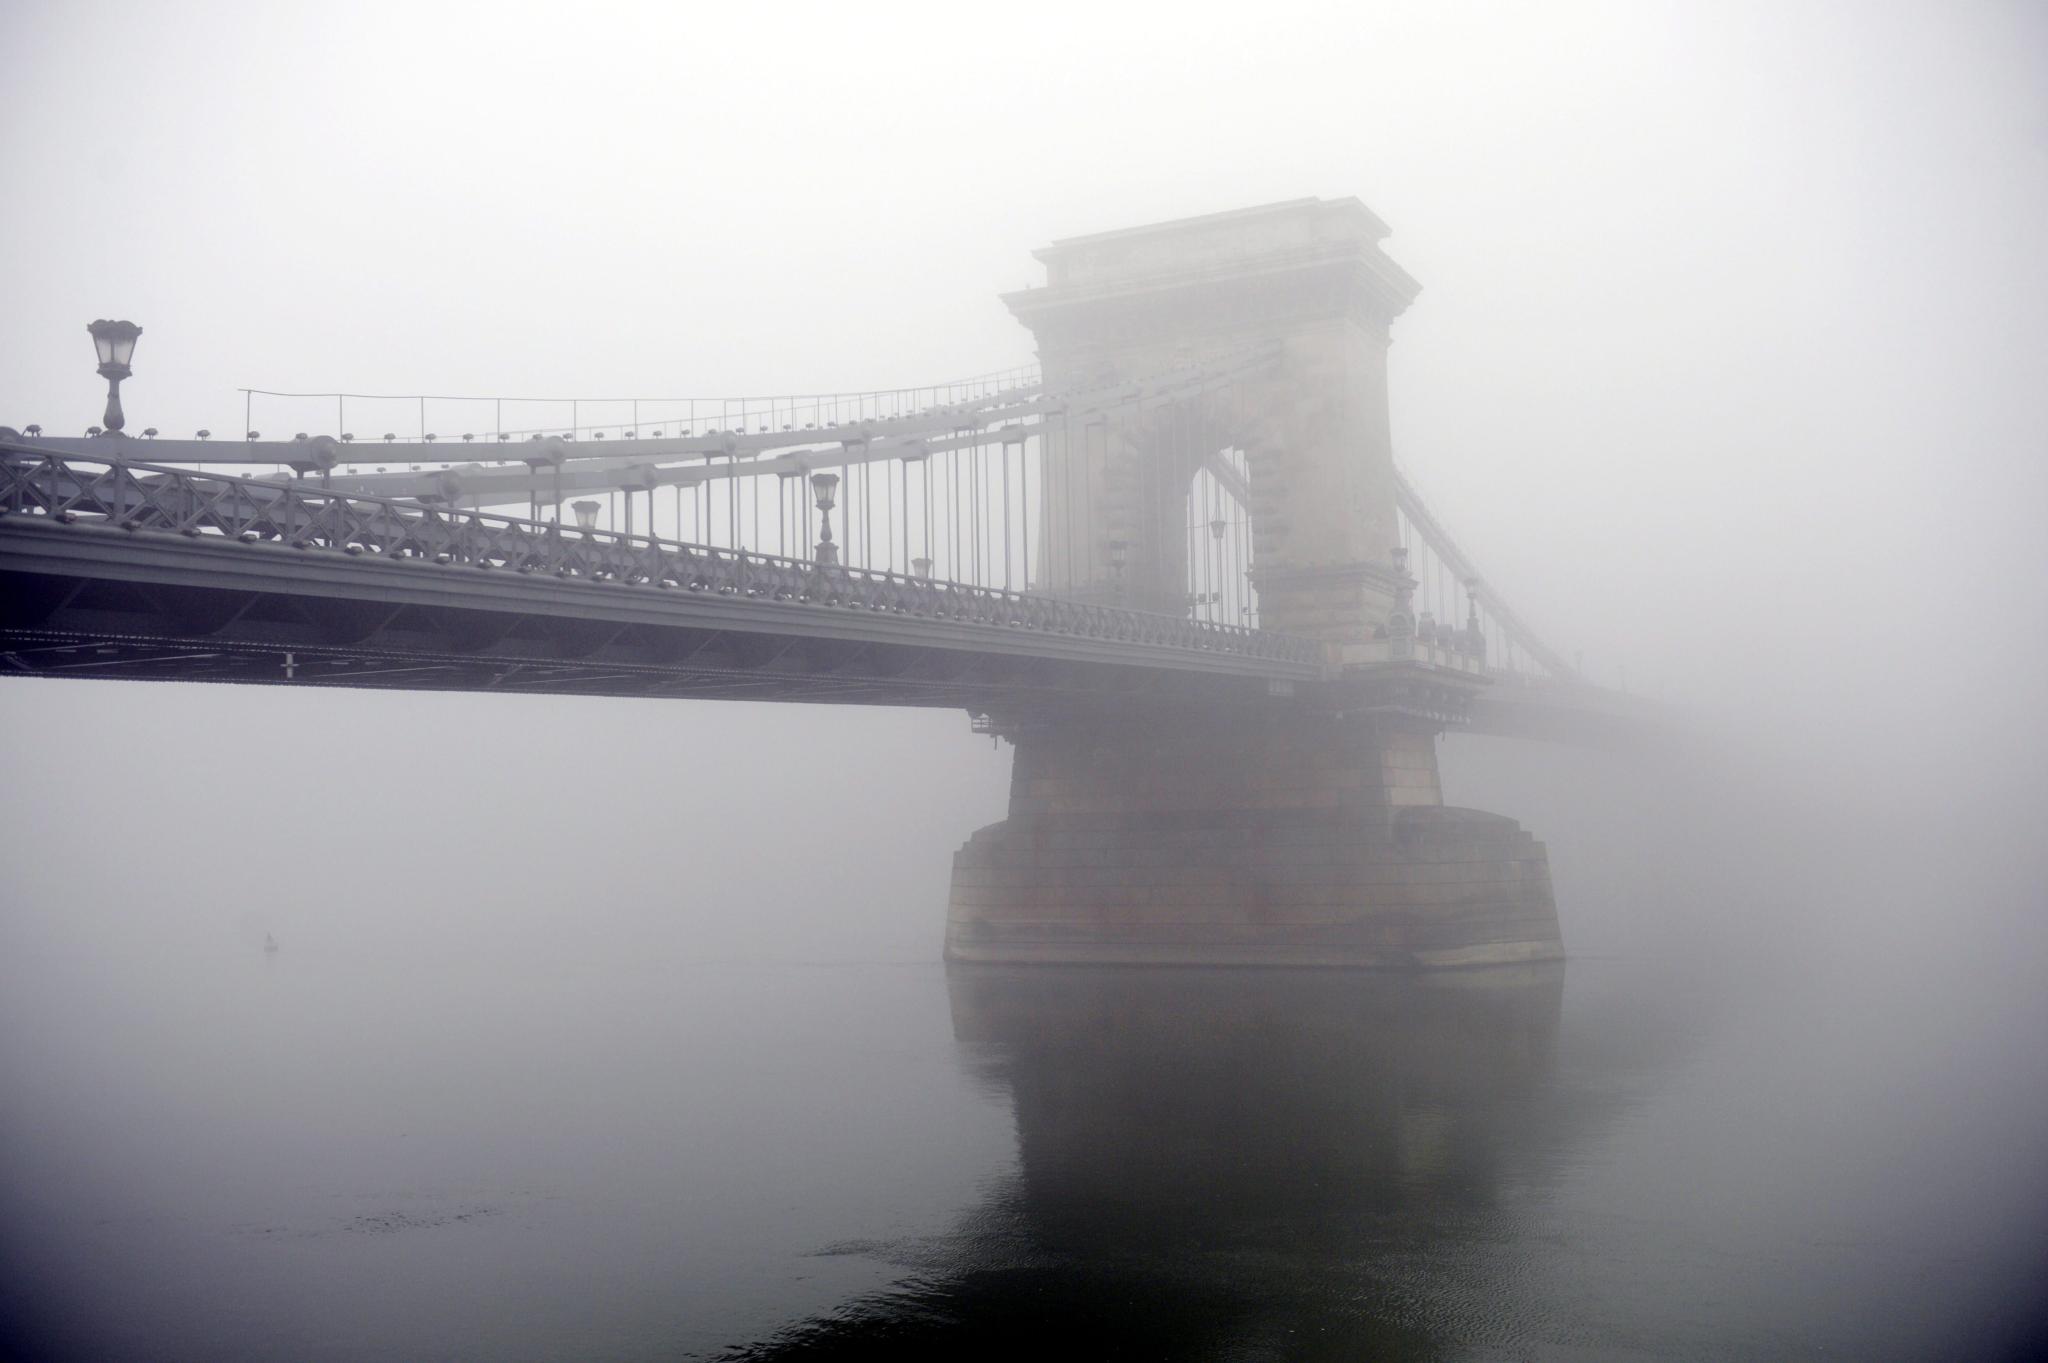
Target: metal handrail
[(146, 498)]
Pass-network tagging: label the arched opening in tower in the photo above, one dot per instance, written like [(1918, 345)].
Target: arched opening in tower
[(1218, 538)]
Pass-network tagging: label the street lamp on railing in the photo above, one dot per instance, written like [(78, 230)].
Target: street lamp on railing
[(115, 344), (586, 514), (1475, 635), (825, 488)]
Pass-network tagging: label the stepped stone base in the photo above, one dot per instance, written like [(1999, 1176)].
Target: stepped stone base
[(1429, 887), (1298, 835)]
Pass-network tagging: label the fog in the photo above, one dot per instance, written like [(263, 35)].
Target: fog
[(1730, 366)]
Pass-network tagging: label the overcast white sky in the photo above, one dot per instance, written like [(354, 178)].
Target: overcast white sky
[(1731, 361)]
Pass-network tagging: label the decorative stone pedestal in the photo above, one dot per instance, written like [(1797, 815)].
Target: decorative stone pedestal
[(1302, 839)]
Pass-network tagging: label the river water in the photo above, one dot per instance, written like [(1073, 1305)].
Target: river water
[(289, 1157)]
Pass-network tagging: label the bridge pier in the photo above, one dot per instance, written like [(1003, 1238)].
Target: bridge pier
[(1303, 836), (1311, 831)]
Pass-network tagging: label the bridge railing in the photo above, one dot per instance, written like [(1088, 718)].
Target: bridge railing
[(1453, 591), (146, 498)]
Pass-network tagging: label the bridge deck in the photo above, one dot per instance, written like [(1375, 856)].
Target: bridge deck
[(119, 570)]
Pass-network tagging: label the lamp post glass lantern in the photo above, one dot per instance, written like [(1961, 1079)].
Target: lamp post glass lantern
[(825, 487), (586, 514), (114, 343)]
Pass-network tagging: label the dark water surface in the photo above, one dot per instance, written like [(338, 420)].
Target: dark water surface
[(1611, 1160)]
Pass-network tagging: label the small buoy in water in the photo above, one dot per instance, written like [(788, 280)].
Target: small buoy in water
[(269, 942)]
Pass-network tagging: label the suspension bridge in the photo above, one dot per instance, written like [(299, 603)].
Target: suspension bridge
[(1175, 564)]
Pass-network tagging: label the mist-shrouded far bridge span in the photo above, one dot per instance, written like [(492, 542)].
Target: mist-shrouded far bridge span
[(1175, 565)]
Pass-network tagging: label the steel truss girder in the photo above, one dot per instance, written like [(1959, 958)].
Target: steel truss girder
[(114, 655), (215, 531)]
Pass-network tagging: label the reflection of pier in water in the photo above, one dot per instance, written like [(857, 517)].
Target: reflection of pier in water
[(1234, 1163)]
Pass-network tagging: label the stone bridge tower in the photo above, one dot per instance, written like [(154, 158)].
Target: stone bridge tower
[(1309, 829), (1310, 275)]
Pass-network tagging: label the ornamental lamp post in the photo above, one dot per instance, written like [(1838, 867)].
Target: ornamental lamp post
[(115, 344), (586, 514), (825, 487), (1401, 619)]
